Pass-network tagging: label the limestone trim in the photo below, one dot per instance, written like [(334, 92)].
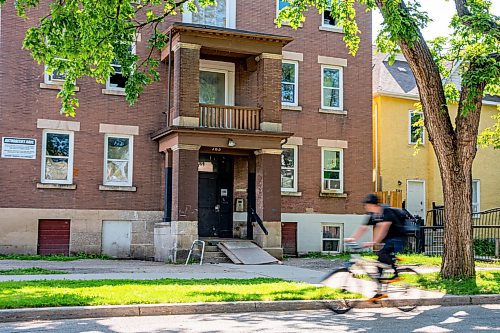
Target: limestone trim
[(115, 92), (291, 108), (268, 152), (271, 127), (117, 188), (182, 146), (331, 29), (297, 56), (182, 45), (295, 140), (332, 143), (54, 86), (186, 121), (269, 56), (332, 61), (118, 129), (291, 194), (339, 112), (56, 186), (58, 125)]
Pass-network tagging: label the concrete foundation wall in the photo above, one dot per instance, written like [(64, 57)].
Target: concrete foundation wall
[(19, 229)]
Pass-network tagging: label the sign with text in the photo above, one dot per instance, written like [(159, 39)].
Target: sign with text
[(24, 148)]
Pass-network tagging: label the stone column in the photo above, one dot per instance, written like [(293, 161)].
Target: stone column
[(269, 91), (268, 200), (186, 84)]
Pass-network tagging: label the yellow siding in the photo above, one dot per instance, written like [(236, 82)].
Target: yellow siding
[(398, 161)]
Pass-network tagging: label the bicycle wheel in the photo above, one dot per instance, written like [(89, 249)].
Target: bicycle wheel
[(405, 296), (344, 280)]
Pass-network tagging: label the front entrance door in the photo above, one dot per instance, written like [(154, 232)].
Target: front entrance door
[(215, 196), (415, 197)]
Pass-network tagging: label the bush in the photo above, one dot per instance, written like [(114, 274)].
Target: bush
[(484, 247)]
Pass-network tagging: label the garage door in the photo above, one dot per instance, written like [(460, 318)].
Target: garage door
[(289, 238), (53, 237)]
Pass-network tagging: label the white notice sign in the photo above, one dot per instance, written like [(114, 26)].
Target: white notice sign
[(19, 148)]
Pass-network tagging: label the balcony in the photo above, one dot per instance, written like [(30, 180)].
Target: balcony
[(229, 117)]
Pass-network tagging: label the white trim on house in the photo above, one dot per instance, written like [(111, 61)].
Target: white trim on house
[(228, 68), (424, 195), (341, 170), (329, 27), (69, 177), (410, 115), (295, 168), (130, 159), (340, 88), (110, 87), (295, 83), (187, 16)]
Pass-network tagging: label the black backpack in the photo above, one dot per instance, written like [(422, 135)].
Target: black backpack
[(407, 223)]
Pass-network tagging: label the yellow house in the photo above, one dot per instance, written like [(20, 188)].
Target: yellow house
[(398, 165)]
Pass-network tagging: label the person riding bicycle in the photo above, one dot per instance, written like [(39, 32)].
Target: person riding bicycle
[(388, 230)]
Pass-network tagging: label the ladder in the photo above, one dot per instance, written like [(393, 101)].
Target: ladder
[(199, 244)]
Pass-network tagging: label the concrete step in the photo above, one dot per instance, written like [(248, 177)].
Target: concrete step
[(215, 258), (211, 248)]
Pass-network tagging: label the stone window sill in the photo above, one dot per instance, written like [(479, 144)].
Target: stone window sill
[(291, 107), (340, 112), (53, 86), (115, 92), (325, 194), (117, 188), (331, 29), (291, 194), (56, 186)]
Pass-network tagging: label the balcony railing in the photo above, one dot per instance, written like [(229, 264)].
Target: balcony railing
[(230, 117)]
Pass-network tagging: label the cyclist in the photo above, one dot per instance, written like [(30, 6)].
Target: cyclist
[(388, 230)]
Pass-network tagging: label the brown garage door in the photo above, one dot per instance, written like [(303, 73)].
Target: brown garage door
[(289, 238), (53, 237)]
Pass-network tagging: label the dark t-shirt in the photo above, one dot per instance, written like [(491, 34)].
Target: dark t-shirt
[(395, 230)]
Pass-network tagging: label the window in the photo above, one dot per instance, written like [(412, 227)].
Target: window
[(328, 20), (331, 89), (332, 236), (55, 77), (222, 15), (282, 4), (118, 160), (332, 170), (57, 157), (216, 82), (416, 130), (289, 83), (117, 81), (289, 169), (476, 194)]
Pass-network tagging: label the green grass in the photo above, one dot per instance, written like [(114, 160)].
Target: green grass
[(29, 271), (55, 257), (109, 292), (486, 282)]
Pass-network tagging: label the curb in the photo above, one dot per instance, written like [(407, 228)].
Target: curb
[(74, 312)]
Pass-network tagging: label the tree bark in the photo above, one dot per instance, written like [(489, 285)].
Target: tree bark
[(455, 149)]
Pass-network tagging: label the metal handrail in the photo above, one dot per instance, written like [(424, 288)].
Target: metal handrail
[(256, 218)]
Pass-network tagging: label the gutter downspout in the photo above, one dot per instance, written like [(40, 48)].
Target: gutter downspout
[(375, 120), (167, 197)]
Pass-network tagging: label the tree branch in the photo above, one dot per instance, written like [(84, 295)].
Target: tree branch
[(463, 11)]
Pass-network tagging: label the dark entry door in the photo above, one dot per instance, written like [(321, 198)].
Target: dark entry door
[(53, 237), (215, 198), (289, 238)]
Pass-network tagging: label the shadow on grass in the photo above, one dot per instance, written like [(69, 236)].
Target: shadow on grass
[(486, 282)]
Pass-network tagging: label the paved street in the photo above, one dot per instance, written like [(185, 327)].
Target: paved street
[(429, 319)]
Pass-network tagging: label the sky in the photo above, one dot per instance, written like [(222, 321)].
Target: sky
[(440, 11)]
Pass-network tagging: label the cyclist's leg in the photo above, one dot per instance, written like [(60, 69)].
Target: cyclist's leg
[(398, 246)]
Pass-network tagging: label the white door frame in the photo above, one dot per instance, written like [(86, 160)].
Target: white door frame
[(424, 203)]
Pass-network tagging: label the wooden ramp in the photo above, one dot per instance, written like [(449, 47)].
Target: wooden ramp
[(246, 253)]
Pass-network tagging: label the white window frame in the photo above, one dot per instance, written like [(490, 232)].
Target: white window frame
[(295, 169), (335, 28), (296, 84), (70, 157), (187, 15), (410, 115), (341, 171), (48, 78), (478, 203), (108, 81), (130, 159), (278, 7), (340, 239), (341, 87), (228, 68)]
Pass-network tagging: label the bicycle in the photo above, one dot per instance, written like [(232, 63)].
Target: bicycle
[(362, 275)]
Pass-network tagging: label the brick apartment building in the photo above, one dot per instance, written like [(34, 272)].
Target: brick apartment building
[(246, 102)]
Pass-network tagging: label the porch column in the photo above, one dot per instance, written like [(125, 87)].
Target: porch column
[(184, 226), (268, 200), (186, 84), (269, 91)]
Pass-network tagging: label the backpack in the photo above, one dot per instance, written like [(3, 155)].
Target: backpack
[(407, 223)]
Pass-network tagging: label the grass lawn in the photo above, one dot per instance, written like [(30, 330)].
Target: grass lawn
[(110, 292), (54, 257), (486, 282), (29, 271)]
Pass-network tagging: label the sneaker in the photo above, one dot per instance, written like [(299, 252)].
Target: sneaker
[(393, 279), (377, 297)]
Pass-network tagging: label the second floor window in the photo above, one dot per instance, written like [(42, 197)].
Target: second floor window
[(289, 169), (117, 81), (57, 157), (331, 88), (416, 128), (118, 160), (332, 177), (289, 83), (223, 14)]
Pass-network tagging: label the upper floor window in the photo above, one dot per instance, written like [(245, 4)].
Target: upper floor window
[(55, 77), (57, 157), (416, 128), (216, 82), (329, 21), (289, 82), (117, 81), (476, 194), (223, 14), (118, 160), (289, 169), (282, 4), (331, 87), (332, 175)]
